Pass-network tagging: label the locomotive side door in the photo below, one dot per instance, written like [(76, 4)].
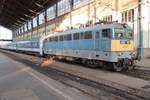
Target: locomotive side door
[(105, 39), (97, 40)]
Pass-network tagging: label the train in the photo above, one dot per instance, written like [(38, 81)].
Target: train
[(109, 45)]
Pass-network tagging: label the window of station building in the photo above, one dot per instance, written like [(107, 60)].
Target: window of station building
[(123, 17), (76, 36), (22, 29), (108, 18), (75, 2), (18, 31), (80, 3), (42, 18), (131, 15), (29, 25), (25, 27), (35, 22), (63, 7), (106, 33), (51, 12), (88, 35), (127, 16)]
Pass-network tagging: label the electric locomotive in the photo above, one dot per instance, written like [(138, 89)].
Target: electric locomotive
[(110, 45)]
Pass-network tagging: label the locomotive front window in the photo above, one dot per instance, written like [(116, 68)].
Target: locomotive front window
[(106, 33), (120, 33)]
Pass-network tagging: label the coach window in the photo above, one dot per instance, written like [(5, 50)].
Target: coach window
[(50, 39), (46, 40), (35, 22), (88, 35), (61, 38), (106, 33), (76, 36)]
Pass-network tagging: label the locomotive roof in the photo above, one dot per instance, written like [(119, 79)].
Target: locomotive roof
[(90, 28)]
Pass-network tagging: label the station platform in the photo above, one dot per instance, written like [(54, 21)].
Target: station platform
[(19, 82), (145, 62)]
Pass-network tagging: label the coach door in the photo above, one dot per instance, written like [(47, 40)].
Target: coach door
[(105, 39)]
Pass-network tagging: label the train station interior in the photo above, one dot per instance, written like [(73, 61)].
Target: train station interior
[(74, 49)]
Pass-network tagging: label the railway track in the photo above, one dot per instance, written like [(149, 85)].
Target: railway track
[(97, 90), (138, 73)]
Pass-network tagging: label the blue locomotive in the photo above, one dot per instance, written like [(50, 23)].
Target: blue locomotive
[(109, 45)]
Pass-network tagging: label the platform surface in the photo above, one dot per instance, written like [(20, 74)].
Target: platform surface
[(19, 82), (145, 62)]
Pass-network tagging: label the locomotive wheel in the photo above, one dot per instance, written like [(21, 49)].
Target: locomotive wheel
[(118, 66), (131, 65), (90, 63)]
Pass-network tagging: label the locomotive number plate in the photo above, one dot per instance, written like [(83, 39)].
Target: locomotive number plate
[(124, 42)]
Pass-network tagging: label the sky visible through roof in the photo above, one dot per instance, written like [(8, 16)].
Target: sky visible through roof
[(5, 34)]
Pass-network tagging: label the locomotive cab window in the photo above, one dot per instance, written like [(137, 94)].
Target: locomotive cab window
[(106, 33), (121, 33)]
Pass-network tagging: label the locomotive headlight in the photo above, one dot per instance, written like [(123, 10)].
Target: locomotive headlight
[(133, 54), (119, 54)]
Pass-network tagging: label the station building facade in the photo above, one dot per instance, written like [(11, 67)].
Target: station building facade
[(67, 14)]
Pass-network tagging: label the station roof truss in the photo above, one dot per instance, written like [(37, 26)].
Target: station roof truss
[(13, 13)]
